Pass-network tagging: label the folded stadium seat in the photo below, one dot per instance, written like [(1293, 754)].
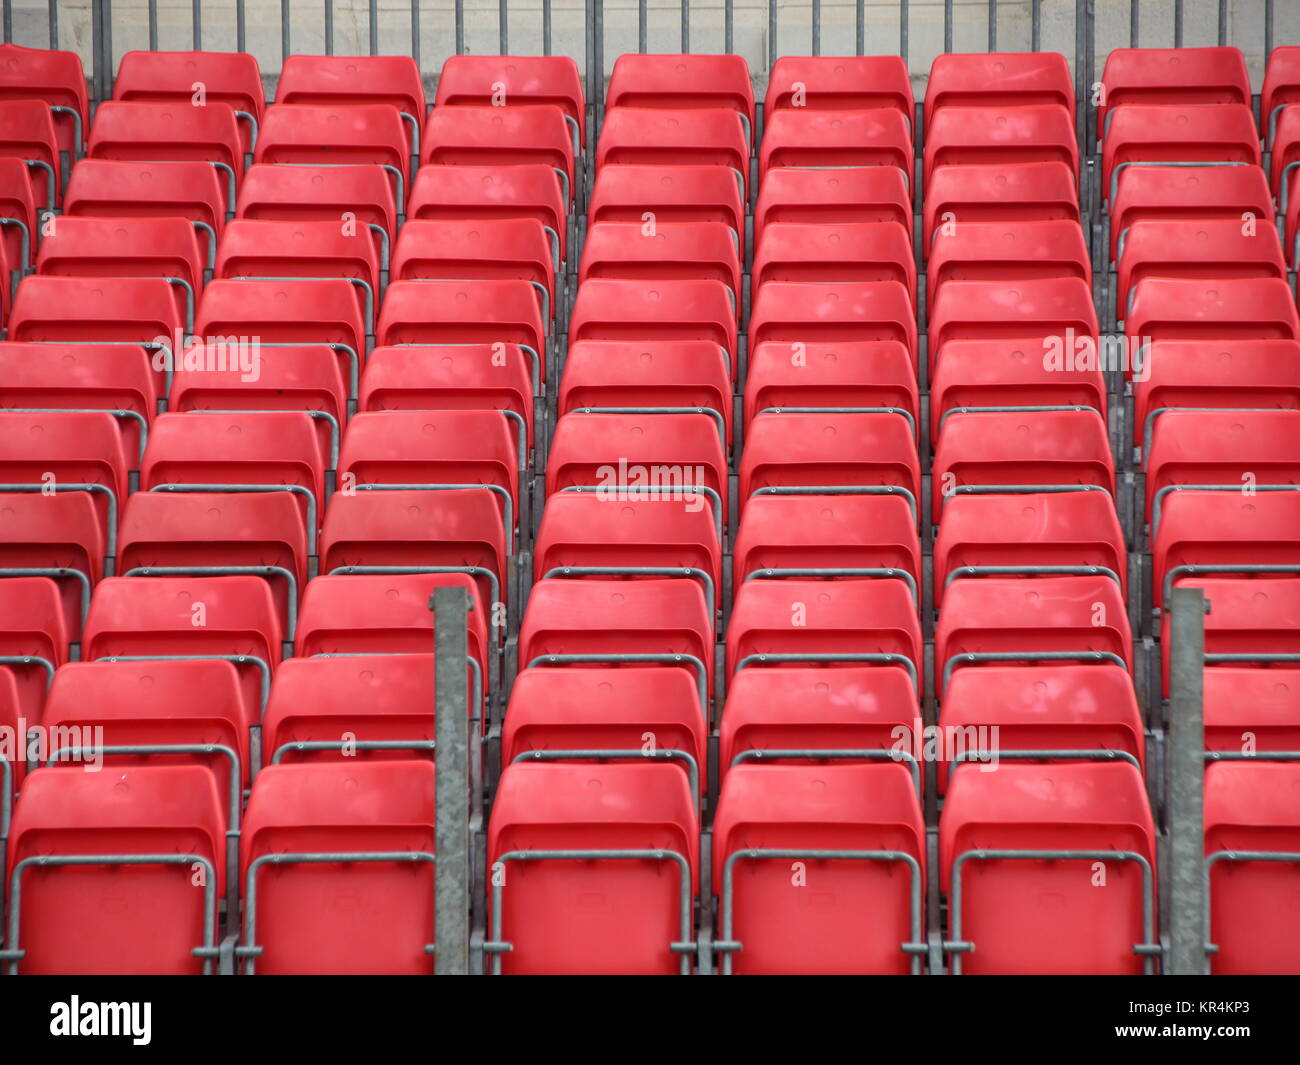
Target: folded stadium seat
[(868, 373), (418, 530), (55, 78), (1252, 710), (1245, 374), (27, 132), (117, 377), (804, 137), (1188, 194), (1004, 135), (651, 373), (59, 532), (983, 534), (996, 373), (230, 78), (1050, 311), (626, 193), (18, 236), (153, 704), (500, 136), (243, 451), (469, 193), (13, 766), (1175, 77), (6, 284), (435, 450), (173, 814), (543, 906), (148, 132), (1292, 225), (607, 309), (506, 249), (832, 623), (661, 621), (867, 251), (230, 618), (1208, 133), (698, 137), (346, 134), (346, 81), (808, 313), (33, 639), (324, 193), (262, 533), (855, 835), (676, 82), (1007, 901), (106, 188), (830, 453), (840, 83), (1252, 836), (1011, 619), (379, 820), (844, 536), (1285, 158), (1010, 192), (1231, 309), (1017, 451), (634, 457), (1064, 713), (136, 310), (999, 79), (483, 80), (450, 377), (1206, 250), (584, 532), (1281, 86), (1007, 251), (656, 251), (630, 714), (856, 194), (1211, 532), (350, 709)]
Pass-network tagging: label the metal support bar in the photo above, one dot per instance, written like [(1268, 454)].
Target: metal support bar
[(452, 879)]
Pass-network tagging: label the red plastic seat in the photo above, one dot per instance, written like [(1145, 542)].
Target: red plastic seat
[(27, 132), (150, 132), (1251, 809), (158, 916), (648, 136), (1239, 450), (1078, 529), (482, 80), (1172, 77), (10, 712), (808, 313), (998, 79), (840, 83), (1249, 709), (669, 309), (54, 77), (678, 82), (772, 619), (18, 211), (857, 194), (499, 136), (991, 251), (1188, 194), (1050, 708), (1010, 619), (1285, 157), (626, 193), (827, 374), (998, 192), (33, 638), (1021, 448), (346, 81), (1231, 309), (803, 137), (1207, 250), (348, 134), (91, 309), (1030, 915), (468, 193), (1281, 85), (230, 78), (1218, 133), (334, 707), (829, 450), (849, 253), (543, 909), (656, 251), (870, 913), (334, 808), (1033, 133)]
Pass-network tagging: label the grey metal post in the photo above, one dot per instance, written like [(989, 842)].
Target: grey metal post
[(1185, 784), (451, 724)]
